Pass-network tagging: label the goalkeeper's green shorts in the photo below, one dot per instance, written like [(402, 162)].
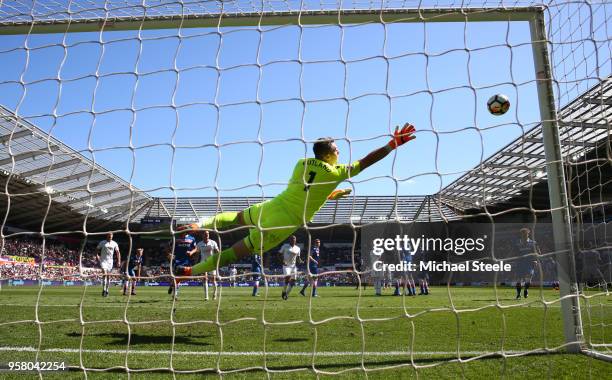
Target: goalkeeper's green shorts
[(273, 225)]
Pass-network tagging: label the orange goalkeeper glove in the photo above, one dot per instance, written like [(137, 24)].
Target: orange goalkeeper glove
[(401, 137), (188, 227), (339, 194)]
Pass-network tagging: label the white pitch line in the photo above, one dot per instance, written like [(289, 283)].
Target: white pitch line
[(261, 353), (202, 305)]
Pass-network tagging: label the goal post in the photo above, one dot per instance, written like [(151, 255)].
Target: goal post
[(557, 188)]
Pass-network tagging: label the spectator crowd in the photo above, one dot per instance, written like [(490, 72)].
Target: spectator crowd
[(30, 259)]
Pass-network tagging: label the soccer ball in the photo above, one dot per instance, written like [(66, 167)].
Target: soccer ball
[(498, 104)]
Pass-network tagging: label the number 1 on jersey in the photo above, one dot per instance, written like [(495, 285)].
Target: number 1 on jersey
[(311, 177)]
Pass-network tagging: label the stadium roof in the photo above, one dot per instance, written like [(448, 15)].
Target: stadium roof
[(39, 167), (584, 125), (358, 209)]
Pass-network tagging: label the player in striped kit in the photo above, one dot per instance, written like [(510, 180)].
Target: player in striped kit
[(526, 246), (132, 269), (180, 257), (313, 268), (406, 281), (257, 269)]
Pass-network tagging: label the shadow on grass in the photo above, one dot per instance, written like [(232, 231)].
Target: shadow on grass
[(291, 340), (121, 339)]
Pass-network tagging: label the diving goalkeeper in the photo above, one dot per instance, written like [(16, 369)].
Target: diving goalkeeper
[(312, 183)]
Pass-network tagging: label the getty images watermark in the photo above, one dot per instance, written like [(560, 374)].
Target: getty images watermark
[(411, 246), (478, 249)]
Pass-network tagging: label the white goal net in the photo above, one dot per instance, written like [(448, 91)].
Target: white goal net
[(134, 117)]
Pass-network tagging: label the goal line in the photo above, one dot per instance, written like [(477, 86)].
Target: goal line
[(279, 353)]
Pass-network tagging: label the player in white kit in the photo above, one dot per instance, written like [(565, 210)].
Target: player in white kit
[(233, 276), (105, 251), (206, 248), (291, 254), (376, 276), (379, 277)]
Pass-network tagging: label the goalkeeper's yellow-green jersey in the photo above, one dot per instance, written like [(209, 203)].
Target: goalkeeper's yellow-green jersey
[(311, 183)]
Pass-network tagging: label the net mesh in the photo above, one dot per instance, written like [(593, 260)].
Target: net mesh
[(121, 113)]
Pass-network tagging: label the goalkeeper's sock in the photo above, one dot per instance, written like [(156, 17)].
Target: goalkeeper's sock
[(305, 286), (220, 221), (290, 287), (228, 256)]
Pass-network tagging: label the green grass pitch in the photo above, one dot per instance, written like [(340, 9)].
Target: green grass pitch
[(442, 335)]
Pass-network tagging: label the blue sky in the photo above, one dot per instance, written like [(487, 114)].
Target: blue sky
[(352, 83)]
